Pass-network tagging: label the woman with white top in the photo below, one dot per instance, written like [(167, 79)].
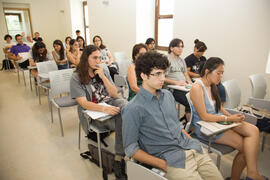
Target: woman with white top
[(59, 55), (207, 106)]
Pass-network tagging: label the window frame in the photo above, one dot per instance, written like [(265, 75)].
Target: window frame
[(84, 22), (157, 18)]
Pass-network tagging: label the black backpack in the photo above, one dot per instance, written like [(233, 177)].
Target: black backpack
[(7, 64)]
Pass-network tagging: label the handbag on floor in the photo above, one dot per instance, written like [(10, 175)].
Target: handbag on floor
[(263, 117), (107, 159)]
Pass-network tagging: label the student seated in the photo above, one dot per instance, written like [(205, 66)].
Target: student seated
[(207, 107), (81, 42), (74, 53), (150, 43), (106, 56), (134, 84), (196, 60), (6, 47), (39, 54), (177, 73), (37, 37), (59, 55), (91, 84), (152, 133), (16, 52)]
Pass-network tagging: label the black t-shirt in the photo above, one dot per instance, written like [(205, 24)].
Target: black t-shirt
[(194, 63), (38, 39)]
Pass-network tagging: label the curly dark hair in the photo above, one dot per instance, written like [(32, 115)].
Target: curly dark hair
[(83, 66), (211, 64), (62, 50), (37, 57), (149, 61)]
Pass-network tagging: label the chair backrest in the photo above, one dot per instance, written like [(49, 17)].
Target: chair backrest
[(46, 67), (123, 62), (120, 81), (60, 81), (259, 86), (233, 94)]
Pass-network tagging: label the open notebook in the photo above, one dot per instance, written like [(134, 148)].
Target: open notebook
[(101, 116), (211, 128)]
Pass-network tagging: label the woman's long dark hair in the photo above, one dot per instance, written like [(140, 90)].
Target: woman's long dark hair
[(62, 50), (83, 66), (211, 64), (80, 37), (71, 42), (37, 57), (102, 46)]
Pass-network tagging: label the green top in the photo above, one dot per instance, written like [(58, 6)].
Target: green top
[(131, 93)]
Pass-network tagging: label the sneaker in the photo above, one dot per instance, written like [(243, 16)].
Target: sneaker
[(119, 169)]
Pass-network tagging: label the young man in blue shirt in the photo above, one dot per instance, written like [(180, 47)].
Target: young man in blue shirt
[(152, 133)]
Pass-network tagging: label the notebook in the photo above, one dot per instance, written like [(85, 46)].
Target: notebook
[(97, 115)]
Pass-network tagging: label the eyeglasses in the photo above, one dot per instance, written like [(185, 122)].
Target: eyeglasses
[(97, 40), (180, 46), (158, 74), (97, 58)]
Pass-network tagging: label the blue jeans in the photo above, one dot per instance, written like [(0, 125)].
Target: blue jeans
[(63, 66)]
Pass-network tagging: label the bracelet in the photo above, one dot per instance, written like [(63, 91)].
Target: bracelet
[(103, 108), (225, 118)]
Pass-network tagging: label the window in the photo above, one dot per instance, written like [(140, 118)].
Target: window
[(163, 23), (18, 21), (86, 23)]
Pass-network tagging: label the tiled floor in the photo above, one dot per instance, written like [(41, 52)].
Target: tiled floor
[(32, 148)]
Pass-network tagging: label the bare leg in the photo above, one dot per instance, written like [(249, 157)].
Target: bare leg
[(244, 138)]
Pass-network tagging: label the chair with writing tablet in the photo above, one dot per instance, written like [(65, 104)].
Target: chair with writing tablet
[(219, 149), (94, 116)]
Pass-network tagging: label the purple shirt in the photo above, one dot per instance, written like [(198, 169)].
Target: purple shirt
[(19, 49)]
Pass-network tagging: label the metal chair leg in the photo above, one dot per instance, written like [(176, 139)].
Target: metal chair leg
[(39, 95), (50, 104), (23, 77), (18, 73), (60, 120), (99, 150), (263, 141), (79, 142), (218, 161), (30, 79)]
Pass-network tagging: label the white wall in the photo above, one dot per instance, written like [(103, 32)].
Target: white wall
[(76, 9), (236, 31), (145, 20), (115, 22)]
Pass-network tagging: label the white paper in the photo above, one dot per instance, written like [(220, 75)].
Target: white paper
[(97, 114), (216, 127), (181, 88), (24, 55)]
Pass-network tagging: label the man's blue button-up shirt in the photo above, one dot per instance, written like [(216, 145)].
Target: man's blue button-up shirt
[(150, 123)]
